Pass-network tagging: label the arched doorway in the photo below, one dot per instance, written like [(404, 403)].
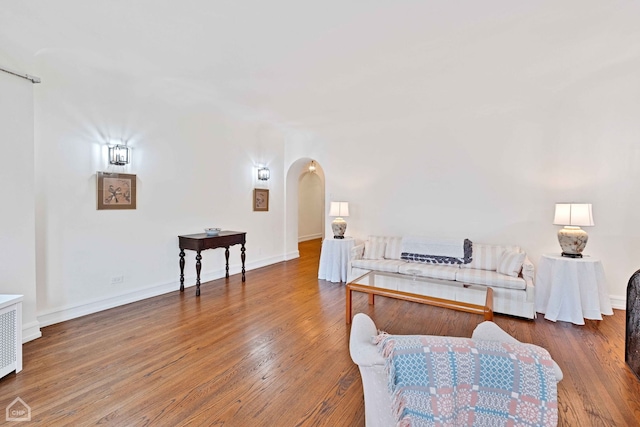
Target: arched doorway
[(312, 185), (310, 205)]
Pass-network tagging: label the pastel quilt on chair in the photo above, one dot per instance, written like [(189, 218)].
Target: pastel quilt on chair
[(449, 381)]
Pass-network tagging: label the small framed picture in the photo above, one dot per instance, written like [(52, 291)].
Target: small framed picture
[(116, 190), (260, 199)]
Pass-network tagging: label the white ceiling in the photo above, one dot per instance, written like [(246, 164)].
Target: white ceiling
[(306, 64)]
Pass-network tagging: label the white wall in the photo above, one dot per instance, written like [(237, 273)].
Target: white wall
[(17, 215), (310, 207), (435, 118), (507, 120), (195, 167)]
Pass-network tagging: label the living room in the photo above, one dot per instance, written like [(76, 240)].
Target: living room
[(452, 120)]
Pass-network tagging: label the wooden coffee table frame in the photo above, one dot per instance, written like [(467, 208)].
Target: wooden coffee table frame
[(486, 310)]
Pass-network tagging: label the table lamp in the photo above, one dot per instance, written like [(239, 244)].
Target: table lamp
[(339, 225), (572, 238)]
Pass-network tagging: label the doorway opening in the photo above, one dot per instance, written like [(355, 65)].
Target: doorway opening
[(305, 208)]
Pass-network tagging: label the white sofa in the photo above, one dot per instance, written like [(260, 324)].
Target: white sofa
[(513, 293), (377, 399)]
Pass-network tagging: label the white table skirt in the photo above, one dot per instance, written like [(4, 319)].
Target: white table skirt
[(571, 289), (334, 259)]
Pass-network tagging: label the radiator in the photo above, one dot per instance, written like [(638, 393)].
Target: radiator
[(10, 334)]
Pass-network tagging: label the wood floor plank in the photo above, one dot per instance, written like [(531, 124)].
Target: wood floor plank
[(274, 352)]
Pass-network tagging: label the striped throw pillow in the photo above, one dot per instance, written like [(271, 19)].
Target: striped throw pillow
[(394, 248), (511, 263), (393, 245), (485, 257), (374, 249)]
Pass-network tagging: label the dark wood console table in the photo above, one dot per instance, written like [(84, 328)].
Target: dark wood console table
[(200, 242)]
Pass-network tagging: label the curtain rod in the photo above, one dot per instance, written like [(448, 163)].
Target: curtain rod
[(33, 79)]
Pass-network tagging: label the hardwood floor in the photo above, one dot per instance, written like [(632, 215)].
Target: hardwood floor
[(274, 352)]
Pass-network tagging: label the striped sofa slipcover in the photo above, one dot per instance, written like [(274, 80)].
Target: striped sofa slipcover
[(506, 269)]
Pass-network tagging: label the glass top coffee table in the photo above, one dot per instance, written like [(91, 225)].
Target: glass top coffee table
[(475, 299)]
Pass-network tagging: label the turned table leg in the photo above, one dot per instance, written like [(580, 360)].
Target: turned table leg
[(226, 257), (181, 270), (198, 267), (242, 257)]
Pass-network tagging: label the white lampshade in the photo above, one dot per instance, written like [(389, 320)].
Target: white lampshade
[(339, 209), (573, 214)]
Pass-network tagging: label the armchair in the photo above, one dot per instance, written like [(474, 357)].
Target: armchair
[(377, 398)]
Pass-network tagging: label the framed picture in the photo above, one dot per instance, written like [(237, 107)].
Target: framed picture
[(116, 190), (260, 199)]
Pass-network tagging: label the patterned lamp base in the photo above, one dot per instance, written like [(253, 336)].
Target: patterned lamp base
[(572, 241), (339, 226)]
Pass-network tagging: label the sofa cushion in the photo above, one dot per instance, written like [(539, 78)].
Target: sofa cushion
[(393, 245), (445, 272), (489, 278), (374, 249), (487, 257), (511, 263), (387, 265)]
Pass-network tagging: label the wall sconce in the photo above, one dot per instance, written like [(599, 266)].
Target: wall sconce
[(312, 167), (119, 155), (263, 173)]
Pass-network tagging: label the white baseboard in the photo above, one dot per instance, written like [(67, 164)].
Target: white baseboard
[(31, 331), (310, 237), (618, 302), (292, 255), (71, 312)]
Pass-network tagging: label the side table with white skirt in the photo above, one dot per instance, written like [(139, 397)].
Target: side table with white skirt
[(571, 289), (334, 259)]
